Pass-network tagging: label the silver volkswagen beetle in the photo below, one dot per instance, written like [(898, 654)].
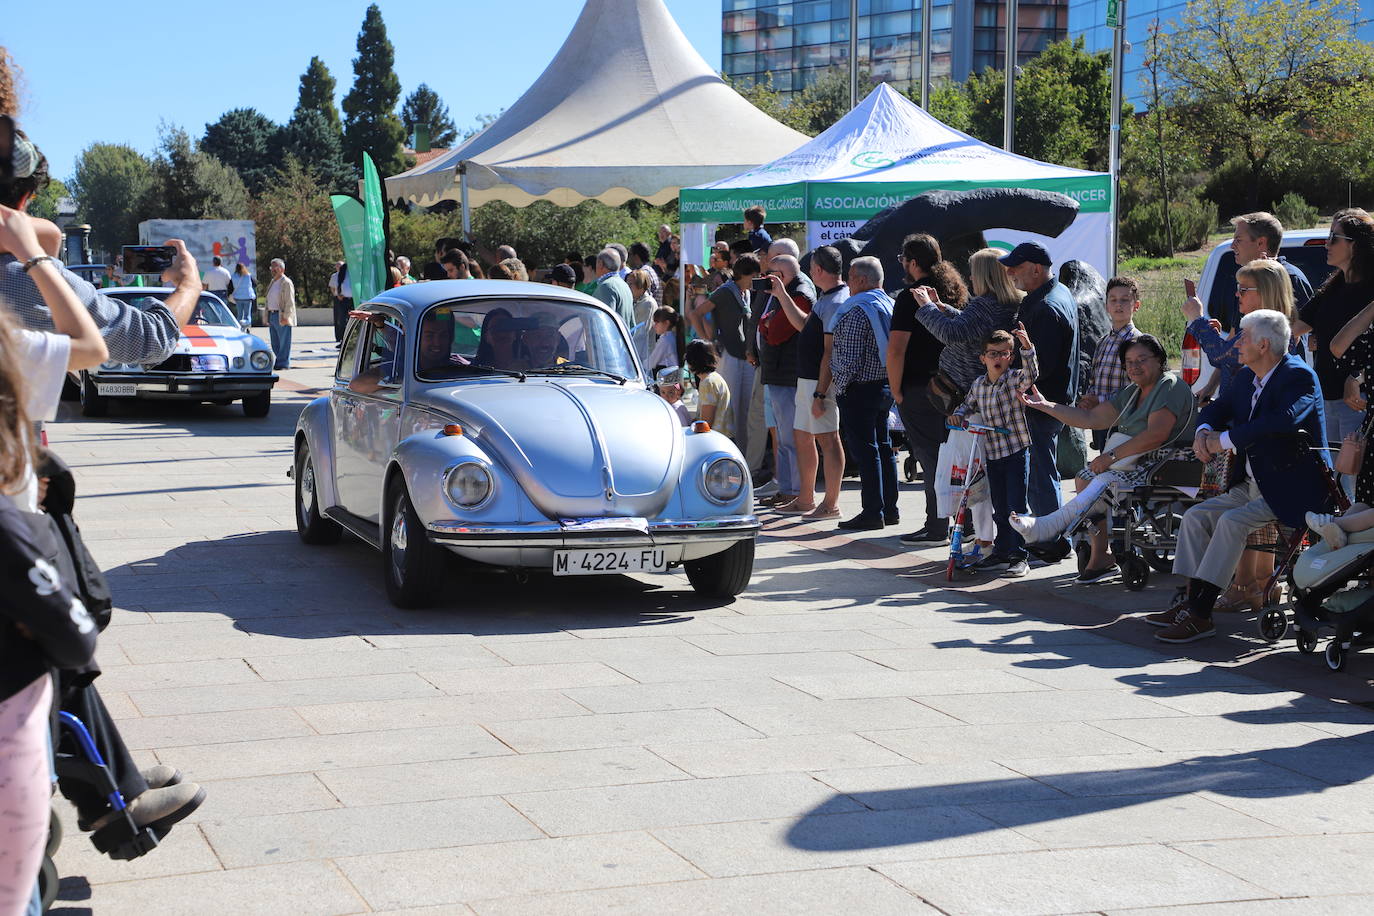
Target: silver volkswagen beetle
[(510, 423)]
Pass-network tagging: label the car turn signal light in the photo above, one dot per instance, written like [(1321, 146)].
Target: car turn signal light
[(453, 429), (701, 426)]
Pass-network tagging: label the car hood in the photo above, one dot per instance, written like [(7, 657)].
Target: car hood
[(579, 449)]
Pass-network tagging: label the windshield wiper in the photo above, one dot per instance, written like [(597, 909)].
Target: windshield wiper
[(578, 367), (473, 367)]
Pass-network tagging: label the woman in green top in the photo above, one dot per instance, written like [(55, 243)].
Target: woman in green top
[(1156, 409)]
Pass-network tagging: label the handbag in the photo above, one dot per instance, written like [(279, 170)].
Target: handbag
[(1350, 458), (944, 394)]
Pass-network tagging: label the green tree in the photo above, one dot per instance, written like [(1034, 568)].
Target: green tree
[(950, 104), (317, 93), (247, 141), (1266, 82), (296, 223), (191, 184), (110, 185), (319, 148), (370, 122), (793, 112), (479, 124), (44, 204), (423, 106)]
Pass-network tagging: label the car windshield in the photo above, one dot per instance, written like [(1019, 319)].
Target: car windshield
[(208, 310), (527, 336)]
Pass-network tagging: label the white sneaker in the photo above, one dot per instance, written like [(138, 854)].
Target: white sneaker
[(1330, 532)]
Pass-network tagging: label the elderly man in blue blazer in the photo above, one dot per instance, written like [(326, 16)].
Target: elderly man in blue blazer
[(1274, 475)]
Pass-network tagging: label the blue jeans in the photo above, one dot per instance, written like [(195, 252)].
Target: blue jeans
[(1042, 486), (784, 401), (281, 340), (1341, 419), (863, 421), (739, 378), (1007, 484), (243, 311)]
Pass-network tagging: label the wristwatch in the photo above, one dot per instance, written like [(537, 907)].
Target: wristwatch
[(818, 395), (1111, 453)]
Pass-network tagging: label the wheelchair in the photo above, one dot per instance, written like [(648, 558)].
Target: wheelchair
[(120, 838)]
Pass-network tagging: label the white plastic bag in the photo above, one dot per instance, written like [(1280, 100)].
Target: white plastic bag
[(951, 471)]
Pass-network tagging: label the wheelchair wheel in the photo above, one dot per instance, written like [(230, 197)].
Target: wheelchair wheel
[(54, 835), (1307, 642), (47, 883), (909, 468), (1335, 655), (1135, 573), (1160, 560), (1273, 624)]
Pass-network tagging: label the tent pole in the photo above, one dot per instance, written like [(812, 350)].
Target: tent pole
[(463, 192), (926, 6), (1114, 138), (853, 54), (1009, 60)]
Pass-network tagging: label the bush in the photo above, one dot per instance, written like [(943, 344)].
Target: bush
[(1295, 212), (1142, 228)]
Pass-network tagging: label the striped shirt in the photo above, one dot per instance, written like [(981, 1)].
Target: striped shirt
[(999, 404), (1108, 374)]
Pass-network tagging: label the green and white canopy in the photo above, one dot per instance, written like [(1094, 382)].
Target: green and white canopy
[(885, 152)]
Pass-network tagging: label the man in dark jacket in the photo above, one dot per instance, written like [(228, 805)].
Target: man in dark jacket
[(783, 315), (1051, 318)]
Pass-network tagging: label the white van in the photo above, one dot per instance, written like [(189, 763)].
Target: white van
[(1304, 248)]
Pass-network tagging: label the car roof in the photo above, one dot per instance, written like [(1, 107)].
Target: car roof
[(147, 290), (422, 295)]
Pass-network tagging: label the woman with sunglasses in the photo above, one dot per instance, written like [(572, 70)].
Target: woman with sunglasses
[(1350, 249)]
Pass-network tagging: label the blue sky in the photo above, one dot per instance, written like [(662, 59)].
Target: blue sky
[(103, 71)]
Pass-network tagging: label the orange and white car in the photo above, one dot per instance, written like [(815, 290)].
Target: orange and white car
[(215, 361)]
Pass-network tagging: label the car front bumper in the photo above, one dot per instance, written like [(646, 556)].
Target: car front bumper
[(597, 533), (189, 386)]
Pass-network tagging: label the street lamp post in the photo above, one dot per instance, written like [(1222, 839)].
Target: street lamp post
[(1116, 19), (853, 54), (1009, 105), (925, 53)]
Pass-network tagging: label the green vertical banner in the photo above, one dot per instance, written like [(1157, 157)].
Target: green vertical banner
[(349, 213), (374, 232)]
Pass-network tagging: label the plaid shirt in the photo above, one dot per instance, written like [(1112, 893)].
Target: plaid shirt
[(132, 335), (999, 404), (1108, 374), (855, 357)]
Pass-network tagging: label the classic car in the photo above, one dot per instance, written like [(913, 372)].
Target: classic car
[(510, 423), (214, 360)]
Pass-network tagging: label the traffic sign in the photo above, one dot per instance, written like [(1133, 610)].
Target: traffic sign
[(1114, 14)]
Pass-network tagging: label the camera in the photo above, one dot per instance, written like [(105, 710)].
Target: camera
[(148, 259), (762, 284)]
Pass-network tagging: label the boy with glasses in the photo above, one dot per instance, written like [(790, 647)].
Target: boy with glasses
[(996, 399)]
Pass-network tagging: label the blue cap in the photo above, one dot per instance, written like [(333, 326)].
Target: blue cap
[(1027, 251)]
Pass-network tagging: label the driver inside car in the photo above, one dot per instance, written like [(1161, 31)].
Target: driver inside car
[(544, 343)]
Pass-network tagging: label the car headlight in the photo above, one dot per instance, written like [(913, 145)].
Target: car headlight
[(723, 480), (468, 484), (210, 362), (260, 360)]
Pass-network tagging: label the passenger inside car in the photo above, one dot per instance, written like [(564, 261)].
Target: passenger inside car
[(544, 344), (500, 345)]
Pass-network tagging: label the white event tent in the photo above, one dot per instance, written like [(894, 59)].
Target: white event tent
[(883, 153), (626, 109)]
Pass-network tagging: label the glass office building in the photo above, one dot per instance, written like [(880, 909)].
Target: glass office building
[(1088, 18), (794, 41)]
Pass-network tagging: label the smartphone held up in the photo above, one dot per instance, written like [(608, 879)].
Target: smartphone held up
[(148, 259)]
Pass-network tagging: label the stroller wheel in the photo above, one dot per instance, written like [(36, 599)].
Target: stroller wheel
[(1273, 624), (1082, 552), (1335, 655), (1135, 572), (1307, 641)]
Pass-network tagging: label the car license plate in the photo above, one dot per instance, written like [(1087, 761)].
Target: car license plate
[(609, 562), (116, 391)]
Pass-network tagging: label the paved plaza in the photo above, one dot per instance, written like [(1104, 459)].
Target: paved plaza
[(849, 735)]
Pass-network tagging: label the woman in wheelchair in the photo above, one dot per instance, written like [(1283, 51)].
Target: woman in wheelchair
[(1154, 410)]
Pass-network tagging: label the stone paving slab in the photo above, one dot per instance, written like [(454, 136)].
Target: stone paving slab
[(852, 732)]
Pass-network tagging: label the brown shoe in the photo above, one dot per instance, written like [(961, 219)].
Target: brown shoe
[(1187, 628), (1244, 598)]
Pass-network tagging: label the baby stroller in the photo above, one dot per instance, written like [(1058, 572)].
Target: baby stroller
[(1332, 589)]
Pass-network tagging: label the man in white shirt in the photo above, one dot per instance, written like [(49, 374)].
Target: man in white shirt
[(217, 279)]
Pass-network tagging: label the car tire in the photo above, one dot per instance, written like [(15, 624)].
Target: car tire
[(411, 563), (257, 405), (92, 403), (724, 574), (312, 526)]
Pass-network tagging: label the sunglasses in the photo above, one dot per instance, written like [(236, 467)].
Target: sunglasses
[(1333, 237), (1246, 289), (1138, 363)]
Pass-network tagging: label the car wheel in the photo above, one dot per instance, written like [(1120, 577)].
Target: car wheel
[(411, 562), (257, 405), (724, 574), (312, 526), (92, 404)]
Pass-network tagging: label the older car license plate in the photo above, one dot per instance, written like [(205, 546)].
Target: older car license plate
[(604, 562), (116, 391)]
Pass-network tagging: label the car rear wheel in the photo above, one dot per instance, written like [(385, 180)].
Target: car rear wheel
[(312, 526), (92, 404), (724, 574), (412, 564), (257, 405)]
